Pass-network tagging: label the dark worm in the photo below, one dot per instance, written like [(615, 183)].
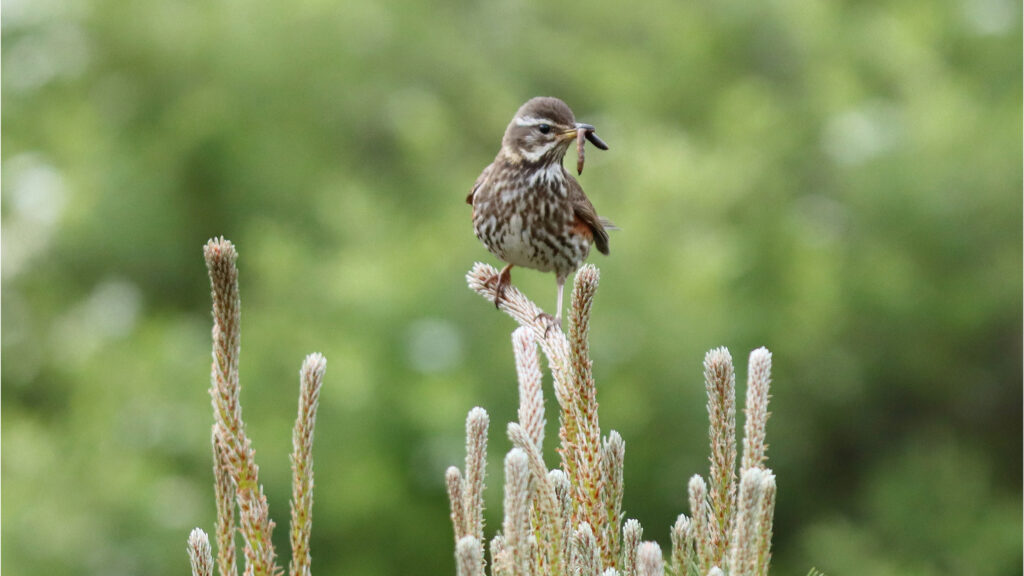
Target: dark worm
[(592, 136)]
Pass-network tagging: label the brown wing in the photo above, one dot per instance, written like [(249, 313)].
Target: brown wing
[(479, 182), (586, 214)]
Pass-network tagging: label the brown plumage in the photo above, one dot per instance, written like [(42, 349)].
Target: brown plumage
[(528, 210)]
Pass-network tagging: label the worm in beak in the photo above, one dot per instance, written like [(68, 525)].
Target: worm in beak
[(586, 132)]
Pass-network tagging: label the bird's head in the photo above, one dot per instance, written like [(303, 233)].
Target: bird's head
[(542, 131)]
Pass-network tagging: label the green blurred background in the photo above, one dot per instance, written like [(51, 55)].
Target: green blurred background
[(838, 181)]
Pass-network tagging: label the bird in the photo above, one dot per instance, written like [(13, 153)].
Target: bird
[(528, 210)]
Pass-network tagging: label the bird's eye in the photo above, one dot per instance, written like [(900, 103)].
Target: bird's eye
[(544, 128)]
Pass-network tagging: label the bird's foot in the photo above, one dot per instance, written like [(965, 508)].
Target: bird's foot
[(550, 321), (502, 280)]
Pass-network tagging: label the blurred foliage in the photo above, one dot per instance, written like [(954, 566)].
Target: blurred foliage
[(838, 181)]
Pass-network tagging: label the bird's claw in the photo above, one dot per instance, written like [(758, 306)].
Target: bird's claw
[(551, 321), (501, 281)]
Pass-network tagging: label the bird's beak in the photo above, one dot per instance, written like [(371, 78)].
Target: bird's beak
[(571, 133), (591, 135)]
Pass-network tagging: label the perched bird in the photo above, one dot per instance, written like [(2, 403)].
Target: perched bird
[(528, 210)]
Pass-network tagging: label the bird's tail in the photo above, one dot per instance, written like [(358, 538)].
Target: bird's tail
[(607, 224)]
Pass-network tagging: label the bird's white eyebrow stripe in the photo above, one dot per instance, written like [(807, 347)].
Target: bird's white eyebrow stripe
[(531, 121)]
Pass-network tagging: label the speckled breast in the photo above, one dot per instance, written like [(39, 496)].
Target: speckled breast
[(528, 221)]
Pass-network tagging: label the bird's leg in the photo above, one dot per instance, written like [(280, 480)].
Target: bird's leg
[(558, 307), (501, 283), (555, 320)]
